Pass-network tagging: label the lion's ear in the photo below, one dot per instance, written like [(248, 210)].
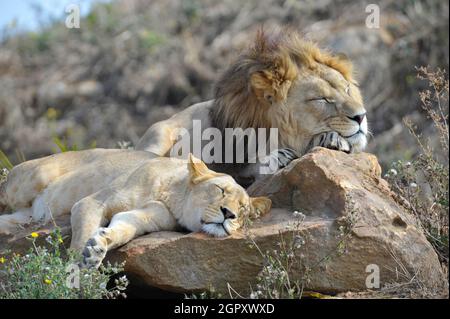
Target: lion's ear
[(260, 206), (272, 84), (197, 169)]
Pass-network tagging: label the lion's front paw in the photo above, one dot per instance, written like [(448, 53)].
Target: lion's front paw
[(331, 140), (270, 164), (95, 250)]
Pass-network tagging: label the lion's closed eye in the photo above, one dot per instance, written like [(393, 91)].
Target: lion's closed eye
[(347, 89), (323, 100)]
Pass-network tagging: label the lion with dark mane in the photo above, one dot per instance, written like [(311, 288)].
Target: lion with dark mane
[(283, 81)]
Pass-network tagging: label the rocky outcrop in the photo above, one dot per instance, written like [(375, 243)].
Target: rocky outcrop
[(352, 224)]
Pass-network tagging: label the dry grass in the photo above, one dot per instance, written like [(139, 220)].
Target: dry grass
[(422, 184)]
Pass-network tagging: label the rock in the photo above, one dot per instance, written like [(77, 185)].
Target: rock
[(56, 94), (352, 222), (328, 187), (89, 89)]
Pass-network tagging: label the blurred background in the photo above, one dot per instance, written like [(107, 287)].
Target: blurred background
[(132, 63)]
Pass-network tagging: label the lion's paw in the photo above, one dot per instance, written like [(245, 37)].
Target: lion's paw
[(333, 141), (95, 250), (283, 157)]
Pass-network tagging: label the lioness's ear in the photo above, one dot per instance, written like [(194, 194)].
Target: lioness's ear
[(197, 169), (272, 84), (260, 206)]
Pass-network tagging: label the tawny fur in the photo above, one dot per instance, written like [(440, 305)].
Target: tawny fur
[(114, 196)]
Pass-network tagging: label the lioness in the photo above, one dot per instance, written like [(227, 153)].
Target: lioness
[(283, 82), (117, 195)]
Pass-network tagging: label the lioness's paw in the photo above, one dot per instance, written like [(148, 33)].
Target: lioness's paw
[(331, 140), (95, 250)]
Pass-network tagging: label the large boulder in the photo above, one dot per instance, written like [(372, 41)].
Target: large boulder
[(352, 223)]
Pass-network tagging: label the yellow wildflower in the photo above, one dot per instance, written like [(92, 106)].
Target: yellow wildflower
[(52, 113), (47, 281), (34, 235), (2, 260)]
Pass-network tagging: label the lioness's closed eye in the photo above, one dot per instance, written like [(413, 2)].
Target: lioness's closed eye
[(117, 195), (222, 204)]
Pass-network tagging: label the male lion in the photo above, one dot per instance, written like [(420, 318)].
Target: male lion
[(117, 195), (284, 82)]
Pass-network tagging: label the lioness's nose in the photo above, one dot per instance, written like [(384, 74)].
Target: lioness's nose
[(227, 213), (358, 118)]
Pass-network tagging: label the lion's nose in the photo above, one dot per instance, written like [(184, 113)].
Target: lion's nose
[(358, 118), (228, 214)]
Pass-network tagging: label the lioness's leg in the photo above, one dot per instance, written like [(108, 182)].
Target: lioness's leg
[(26, 181), (124, 227), (11, 223), (87, 216), (29, 179)]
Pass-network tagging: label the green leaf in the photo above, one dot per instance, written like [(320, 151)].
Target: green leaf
[(5, 162)]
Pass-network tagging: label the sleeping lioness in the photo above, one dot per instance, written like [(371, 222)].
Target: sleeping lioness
[(117, 195)]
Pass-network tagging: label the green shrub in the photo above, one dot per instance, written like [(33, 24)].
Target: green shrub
[(5, 164), (149, 39), (52, 273)]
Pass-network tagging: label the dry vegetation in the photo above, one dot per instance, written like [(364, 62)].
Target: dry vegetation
[(136, 62), (422, 184)]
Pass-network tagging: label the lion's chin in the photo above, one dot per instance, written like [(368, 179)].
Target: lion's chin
[(358, 142)]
